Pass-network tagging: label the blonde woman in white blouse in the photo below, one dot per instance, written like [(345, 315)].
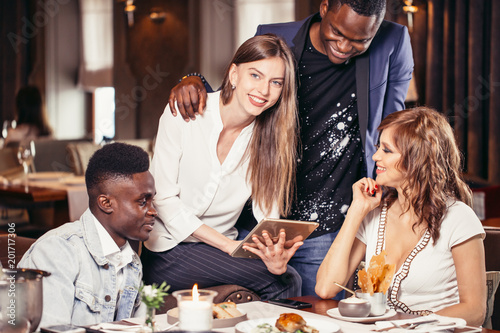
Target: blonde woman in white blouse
[(417, 210)]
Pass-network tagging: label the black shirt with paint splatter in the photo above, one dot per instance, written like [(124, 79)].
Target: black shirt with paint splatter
[(331, 156)]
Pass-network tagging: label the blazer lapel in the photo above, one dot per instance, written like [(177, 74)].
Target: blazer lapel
[(362, 92), (298, 43)]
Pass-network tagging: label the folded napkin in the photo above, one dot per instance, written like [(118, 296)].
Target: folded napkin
[(113, 328), (441, 323)]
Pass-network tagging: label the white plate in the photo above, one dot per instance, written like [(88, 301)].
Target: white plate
[(173, 317), (322, 325), (48, 175), (336, 314)]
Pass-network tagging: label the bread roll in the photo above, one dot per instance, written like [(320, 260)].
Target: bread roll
[(225, 310)]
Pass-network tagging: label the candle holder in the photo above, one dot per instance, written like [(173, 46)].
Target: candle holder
[(195, 309)]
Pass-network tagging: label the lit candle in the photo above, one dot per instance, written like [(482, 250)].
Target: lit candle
[(195, 309)]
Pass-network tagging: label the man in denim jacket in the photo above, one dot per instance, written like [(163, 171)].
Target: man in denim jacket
[(95, 274)]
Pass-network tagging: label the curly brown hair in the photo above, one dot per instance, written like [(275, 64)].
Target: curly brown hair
[(430, 163)]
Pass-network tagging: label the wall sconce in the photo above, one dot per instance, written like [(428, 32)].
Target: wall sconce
[(409, 9), (129, 10), (157, 15)]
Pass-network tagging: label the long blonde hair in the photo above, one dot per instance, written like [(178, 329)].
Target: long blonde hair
[(430, 163), (272, 150)]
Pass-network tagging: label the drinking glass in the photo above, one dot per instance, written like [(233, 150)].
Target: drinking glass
[(378, 302), (7, 124), (25, 156)]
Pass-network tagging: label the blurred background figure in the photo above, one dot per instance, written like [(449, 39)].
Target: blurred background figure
[(31, 121)]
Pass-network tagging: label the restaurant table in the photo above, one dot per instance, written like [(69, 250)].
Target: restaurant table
[(321, 306), (317, 313), (61, 200)]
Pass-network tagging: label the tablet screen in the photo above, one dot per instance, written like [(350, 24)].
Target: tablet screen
[(295, 231)]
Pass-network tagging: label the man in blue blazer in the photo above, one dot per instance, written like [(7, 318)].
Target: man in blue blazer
[(353, 69)]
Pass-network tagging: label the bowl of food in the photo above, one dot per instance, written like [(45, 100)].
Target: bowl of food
[(354, 307), (226, 314)]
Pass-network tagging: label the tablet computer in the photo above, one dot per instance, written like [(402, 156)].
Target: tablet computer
[(296, 231)]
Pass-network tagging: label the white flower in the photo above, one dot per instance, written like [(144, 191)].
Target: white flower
[(149, 291), (152, 295)]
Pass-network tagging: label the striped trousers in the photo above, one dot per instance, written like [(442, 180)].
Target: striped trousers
[(190, 263)]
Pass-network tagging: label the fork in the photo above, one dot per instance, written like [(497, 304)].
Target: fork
[(408, 326), (415, 325)]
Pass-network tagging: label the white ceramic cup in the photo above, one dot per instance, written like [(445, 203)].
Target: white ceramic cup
[(378, 302)]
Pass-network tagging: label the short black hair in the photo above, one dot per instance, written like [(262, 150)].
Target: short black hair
[(113, 161), (361, 7)]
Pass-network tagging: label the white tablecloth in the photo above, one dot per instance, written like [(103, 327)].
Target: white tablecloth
[(78, 199), (257, 310)]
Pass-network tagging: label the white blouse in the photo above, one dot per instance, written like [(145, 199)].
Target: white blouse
[(427, 279), (193, 187)]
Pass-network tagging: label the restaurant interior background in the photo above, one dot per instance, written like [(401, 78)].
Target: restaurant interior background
[(141, 48)]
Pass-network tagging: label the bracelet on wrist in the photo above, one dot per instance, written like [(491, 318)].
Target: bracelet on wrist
[(195, 74)]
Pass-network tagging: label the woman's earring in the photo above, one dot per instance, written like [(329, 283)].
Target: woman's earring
[(233, 86)]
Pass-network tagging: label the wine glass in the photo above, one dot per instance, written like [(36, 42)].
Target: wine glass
[(5, 128), (7, 124), (25, 156)]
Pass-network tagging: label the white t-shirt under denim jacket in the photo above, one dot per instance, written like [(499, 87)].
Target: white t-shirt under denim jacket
[(83, 288)]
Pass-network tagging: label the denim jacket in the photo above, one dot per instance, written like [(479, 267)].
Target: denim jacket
[(82, 286)]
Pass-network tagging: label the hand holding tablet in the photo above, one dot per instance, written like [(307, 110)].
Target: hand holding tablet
[(296, 231)]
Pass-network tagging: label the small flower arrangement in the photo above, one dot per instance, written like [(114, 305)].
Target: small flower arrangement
[(152, 296)]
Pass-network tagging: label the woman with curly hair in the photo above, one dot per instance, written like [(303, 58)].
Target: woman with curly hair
[(417, 210)]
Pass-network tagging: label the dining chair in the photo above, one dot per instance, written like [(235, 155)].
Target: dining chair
[(80, 154), (492, 260), (52, 155), (492, 281), (22, 244)]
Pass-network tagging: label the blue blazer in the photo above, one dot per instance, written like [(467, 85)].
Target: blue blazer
[(383, 73)]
